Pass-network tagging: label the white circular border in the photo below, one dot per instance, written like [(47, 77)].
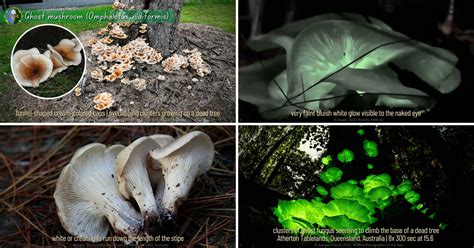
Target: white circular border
[(56, 97)]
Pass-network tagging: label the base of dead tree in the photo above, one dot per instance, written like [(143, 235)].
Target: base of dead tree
[(177, 99)]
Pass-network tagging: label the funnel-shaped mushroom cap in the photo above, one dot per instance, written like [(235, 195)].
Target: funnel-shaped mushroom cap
[(31, 68), (87, 195), (329, 55), (131, 169), (182, 162), (22, 53), (58, 63), (69, 50)]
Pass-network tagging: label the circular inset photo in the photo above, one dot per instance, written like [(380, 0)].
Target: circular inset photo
[(48, 61)]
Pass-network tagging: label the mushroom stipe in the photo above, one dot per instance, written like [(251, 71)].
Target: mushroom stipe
[(88, 202)]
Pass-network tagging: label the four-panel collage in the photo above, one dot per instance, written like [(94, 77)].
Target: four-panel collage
[(236, 123)]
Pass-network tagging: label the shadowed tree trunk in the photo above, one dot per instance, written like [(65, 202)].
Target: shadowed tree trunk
[(163, 36)]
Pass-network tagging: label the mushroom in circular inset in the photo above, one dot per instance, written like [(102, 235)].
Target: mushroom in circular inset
[(131, 171), (182, 161), (31, 68), (58, 63), (87, 195), (69, 50)]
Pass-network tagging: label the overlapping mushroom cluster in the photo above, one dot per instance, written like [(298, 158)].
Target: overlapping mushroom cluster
[(116, 60), (97, 186), (31, 68)]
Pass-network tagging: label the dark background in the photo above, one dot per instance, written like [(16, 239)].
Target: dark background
[(438, 160), (417, 19)]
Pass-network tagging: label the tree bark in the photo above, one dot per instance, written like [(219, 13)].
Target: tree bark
[(163, 37)]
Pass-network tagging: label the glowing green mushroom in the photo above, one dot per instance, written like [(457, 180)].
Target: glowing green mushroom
[(346, 156), (329, 55), (322, 191), (370, 166), (327, 160), (412, 197), (331, 175), (345, 190), (371, 148), (360, 132), (404, 187)]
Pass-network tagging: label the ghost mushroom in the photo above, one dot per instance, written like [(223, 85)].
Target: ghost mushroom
[(182, 161), (58, 63), (330, 55), (69, 50), (31, 68), (132, 175), (87, 195)]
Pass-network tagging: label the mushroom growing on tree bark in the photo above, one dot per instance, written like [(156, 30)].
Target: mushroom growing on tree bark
[(163, 36), (182, 161), (88, 199)]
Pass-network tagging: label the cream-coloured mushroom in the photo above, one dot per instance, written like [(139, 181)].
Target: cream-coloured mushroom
[(182, 161), (58, 63), (103, 101), (31, 68), (131, 171), (88, 199), (69, 50), (97, 74), (78, 91)]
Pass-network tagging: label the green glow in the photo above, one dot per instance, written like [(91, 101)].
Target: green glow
[(360, 132), (432, 216), (331, 175), (404, 187), (412, 197), (322, 191), (326, 160), (419, 206), (371, 148), (442, 226), (370, 166), (424, 211), (345, 190), (346, 156)]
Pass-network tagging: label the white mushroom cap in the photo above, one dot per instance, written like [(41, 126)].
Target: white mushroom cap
[(22, 53), (69, 50), (155, 174), (31, 68), (182, 162), (132, 175), (87, 195), (58, 62)]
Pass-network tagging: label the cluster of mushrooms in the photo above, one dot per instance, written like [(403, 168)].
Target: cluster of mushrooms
[(31, 68), (114, 60), (154, 172), (331, 56)]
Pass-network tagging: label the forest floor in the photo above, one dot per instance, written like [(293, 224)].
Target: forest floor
[(33, 158)]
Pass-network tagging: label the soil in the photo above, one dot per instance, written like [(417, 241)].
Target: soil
[(177, 99)]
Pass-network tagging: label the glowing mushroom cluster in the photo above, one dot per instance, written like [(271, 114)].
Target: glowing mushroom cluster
[(31, 68), (156, 171)]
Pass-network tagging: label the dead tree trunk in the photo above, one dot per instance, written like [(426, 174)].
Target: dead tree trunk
[(162, 36)]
